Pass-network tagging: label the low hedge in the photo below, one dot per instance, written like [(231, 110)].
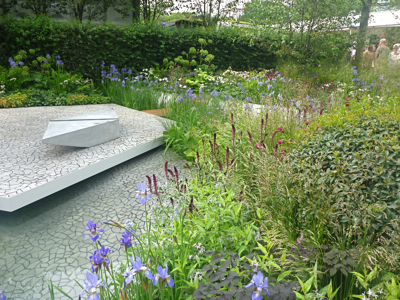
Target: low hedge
[(83, 47)]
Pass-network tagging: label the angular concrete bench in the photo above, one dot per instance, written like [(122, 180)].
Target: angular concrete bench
[(84, 130)]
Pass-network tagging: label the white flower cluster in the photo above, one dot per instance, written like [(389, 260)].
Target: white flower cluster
[(70, 81), (13, 79), (243, 74), (196, 276), (2, 88), (199, 247), (371, 294), (161, 79)]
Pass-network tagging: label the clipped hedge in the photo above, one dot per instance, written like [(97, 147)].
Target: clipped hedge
[(83, 47)]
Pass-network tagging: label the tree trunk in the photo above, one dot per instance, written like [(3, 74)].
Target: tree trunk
[(135, 11), (362, 33)]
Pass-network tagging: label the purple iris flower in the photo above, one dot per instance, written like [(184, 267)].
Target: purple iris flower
[(129, 274), (60, 63), (163, 274), (2, 296), (104, 251), (259, 285), (97, 261), (48, 55), (91, 286), (93, 227), (137, 265), (21, 63), (126, 240), (142, 192)]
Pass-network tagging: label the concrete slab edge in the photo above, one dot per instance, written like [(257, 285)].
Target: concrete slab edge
[(13, 203)]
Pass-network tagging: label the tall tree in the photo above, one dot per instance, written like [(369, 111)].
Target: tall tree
[(310, 19), (362, 32), (6, 6), (147, 10), (38, 7), (210, 11), (94, 9)]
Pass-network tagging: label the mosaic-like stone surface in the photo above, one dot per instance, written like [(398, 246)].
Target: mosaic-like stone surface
[(43, 241), (25, 162)]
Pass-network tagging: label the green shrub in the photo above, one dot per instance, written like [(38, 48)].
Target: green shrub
[(83, 47), (358, 157), (13, 100)]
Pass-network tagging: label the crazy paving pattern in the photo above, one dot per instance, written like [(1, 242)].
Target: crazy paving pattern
[(43, 241), (25, 162)]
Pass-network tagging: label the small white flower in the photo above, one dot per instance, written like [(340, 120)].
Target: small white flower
[(12, 79)]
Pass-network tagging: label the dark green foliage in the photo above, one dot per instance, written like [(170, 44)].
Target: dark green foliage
[(360, 168), (83, 47), (38, 97), (336, 260), (227, 274)]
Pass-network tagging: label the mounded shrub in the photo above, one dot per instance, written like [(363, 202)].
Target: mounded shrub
[(83, 47), (356, 149)]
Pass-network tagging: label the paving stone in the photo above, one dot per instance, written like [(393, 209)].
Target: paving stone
[(44, 240)]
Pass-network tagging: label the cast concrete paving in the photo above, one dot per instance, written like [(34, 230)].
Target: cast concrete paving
[(31, 170), (43, 241)]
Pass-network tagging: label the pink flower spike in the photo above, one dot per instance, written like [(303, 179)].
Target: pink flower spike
[(258, 145), (307, 123), (280, 129), (280, 141), (292, 141)]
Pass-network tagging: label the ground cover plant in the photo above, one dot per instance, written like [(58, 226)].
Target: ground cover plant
[(292, 185)]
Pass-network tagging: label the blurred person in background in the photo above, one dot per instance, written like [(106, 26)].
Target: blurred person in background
[(369, 58), (394, 56)]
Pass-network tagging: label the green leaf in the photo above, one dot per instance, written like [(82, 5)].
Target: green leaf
[(299, 296), (283, 275)]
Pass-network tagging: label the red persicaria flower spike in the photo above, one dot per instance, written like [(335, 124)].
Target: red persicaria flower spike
[(250, 137), (233, 133), (215, 139), (176, 174), (191, 206), (187, 165), (155, 185), (166, 170), (262, 127), (212, 146), (219, 165), (149, 182), (232, 161), (172, 173), (241, 133), (240, 196), (198, 155), (232, 117), (321, 111), (172, 201)]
